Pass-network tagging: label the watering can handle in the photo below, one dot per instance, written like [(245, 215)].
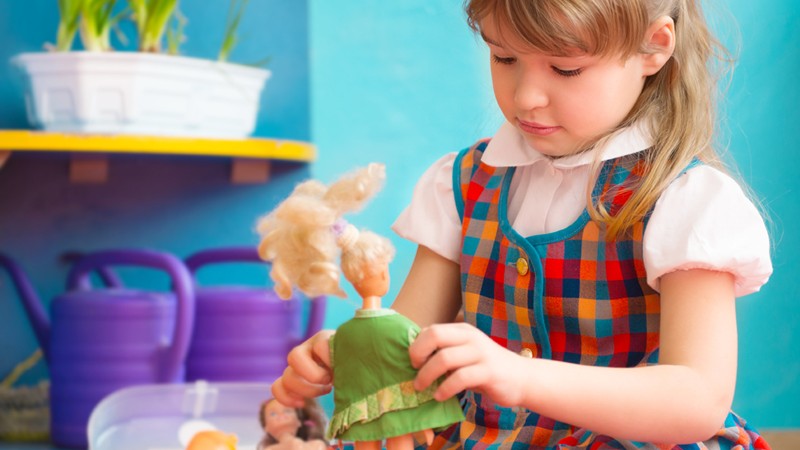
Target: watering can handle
[(250, 254), (315, 316), (30, 301), (220, 255), (78, 279), (107, 276)]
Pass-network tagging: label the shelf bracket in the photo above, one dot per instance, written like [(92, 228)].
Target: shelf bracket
[(4, 157), (249, 171), (88, 169)]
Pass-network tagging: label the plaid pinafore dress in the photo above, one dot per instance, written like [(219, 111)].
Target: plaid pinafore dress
[(567, 296)]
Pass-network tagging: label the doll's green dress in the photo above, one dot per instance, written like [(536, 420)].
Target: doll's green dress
[(373, 379)]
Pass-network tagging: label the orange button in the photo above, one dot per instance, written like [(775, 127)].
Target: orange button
[(522, 266)]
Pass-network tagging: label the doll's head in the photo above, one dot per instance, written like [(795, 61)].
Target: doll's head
[(277, 419), (365, 263), (305, 235)]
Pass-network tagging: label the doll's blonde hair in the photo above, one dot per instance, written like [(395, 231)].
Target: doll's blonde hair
[(677, 103), (366, 256), (305, 235)]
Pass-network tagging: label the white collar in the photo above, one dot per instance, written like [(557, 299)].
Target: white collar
[(508, 148)]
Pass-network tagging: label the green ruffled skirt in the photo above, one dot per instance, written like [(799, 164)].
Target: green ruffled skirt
[(373, 381)]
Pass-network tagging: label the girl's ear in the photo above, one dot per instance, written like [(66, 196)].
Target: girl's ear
[(660, 44)]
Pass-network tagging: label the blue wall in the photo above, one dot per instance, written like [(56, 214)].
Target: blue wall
[(400, 83), (176, 204), (404, 82), (764, 138)]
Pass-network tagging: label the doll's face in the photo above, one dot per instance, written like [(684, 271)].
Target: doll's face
[(376, 284), (280, 419)]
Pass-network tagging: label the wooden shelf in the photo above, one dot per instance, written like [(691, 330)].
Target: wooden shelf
[(250, 156), (25, 140)]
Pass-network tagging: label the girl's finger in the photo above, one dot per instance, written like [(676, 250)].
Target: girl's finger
[(301, 387), (444, 361), (304, 362), (464, 378), (436, 337), (321, 347), (280, 394)]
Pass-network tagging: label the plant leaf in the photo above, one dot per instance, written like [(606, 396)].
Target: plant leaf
[(229, 40), (158, 14)]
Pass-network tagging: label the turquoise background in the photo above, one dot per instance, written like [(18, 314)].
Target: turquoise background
[(404, 82), (395, 82)]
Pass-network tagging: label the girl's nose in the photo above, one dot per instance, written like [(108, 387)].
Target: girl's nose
[(530, 92)]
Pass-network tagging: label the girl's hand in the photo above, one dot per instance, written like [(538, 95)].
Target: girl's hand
[(468, 359), (308, 374)]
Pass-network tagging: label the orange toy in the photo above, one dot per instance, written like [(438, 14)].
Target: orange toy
[(212, 440)]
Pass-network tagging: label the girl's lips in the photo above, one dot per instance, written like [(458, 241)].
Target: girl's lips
[(537, 128)]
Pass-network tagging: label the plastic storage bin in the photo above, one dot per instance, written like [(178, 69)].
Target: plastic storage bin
[(165, 416), (24, 410)]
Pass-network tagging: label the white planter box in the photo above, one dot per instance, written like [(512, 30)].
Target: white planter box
[(140, 93)]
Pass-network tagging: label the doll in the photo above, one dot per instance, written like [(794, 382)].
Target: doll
[(372, 373), (287, 428)]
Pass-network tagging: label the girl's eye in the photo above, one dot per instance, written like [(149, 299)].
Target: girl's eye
[(567, 73), (504, 61)]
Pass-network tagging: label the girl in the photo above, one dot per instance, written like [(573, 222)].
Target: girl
[(374, 394), (595, 244)]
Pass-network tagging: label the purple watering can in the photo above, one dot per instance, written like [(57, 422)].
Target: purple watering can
[(244, 333), (101, 340)]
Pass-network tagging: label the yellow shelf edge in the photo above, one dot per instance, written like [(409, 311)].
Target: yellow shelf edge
[(256, 147)]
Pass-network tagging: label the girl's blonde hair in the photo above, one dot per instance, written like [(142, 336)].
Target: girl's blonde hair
[(677, 103), (304, 236)]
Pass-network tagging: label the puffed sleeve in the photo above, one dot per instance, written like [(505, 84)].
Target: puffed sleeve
[(704, 220), (431, 219)]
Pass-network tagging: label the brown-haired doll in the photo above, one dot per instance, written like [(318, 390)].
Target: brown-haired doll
[(372, 374), (287, 428)]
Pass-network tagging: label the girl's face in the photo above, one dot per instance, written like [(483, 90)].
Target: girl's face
[(280, 419), (560, 103)]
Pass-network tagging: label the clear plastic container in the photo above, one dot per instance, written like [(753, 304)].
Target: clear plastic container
[(165, 416)]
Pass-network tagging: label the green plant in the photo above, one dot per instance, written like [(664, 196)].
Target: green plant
[(151, 18), (175, 34), (235, 12), (97, 20), (69, 20), (156, 21)]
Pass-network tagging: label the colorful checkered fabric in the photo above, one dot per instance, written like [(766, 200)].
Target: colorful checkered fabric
[(569, 296)]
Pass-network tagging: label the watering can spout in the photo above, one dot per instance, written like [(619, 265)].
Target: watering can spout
[(30, 301)]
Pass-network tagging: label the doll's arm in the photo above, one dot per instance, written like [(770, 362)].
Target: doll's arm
[(315, 444), (431, 292), (288, 443)]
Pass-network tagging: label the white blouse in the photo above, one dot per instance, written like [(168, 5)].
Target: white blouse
[(702, 220)]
